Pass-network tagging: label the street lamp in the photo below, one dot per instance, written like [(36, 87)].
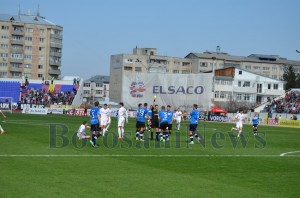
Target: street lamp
[(213, 80)]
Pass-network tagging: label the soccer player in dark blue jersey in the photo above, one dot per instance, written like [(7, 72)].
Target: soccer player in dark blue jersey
[(255, 122), (163, 123), (141, 115), (95, 124), (149, 118), (195, 113)]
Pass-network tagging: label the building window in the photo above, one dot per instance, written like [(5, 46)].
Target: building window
[(274, 68), (27, 65), (4, 37), (98, 91), (3, 64), (40, 66), (239, 83), (41, 49), (86, 91), (3, 74), (248, 67), (40, 75), (266, 68), (256, 68), (99, 85), (4, 46), (42, 31), (246, 84), (176, 63), (238, 96), (222, 94), (138, 69), (41, 58), (4, 27), (203, 64), (3, 55), (275, 86), (28, 47), (126, 68), (86, 84), (27, 56), (28, 38), (29, 30), (217, 94), (269, 86), (274, 76), (240, 72), (175, 71), (42, 40)]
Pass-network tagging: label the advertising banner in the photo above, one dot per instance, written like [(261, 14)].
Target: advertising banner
[(177, 90)]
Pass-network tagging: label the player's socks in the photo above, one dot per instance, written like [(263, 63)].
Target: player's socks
[(137, 135), (191, 138), (141, 136), (151, 135), (122, 133), (157, 135), (119, 132), (104, 130), (1, 129)]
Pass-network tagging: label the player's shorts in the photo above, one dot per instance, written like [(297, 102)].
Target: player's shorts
[(178, 120), (95, 127), (140, 125), (164, 126), (193, 127), (155, 123), (255, 125), (104, 122), (82, 135), (239, 125), (169, 126), (121, 122)]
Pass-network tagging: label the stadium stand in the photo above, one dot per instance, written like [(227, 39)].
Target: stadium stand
[(289, 103)]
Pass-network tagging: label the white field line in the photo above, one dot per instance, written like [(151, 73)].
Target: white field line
[(286, 154), (113, 155)]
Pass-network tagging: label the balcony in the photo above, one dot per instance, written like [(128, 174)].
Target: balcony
[(17, 32), (16, 69), (54, 71), (14, 60), (57, 36), (57, 54), (17, 51), (17, 42), (244, 89), (56, 45), (56, 63)]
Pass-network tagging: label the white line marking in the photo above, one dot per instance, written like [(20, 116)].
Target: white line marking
[(285, 154), (146, 155)]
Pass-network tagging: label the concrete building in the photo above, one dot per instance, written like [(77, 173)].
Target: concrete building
[(96, 89), (234, 84), (143, 60), (259, 70), (266, 65), (30, 45)]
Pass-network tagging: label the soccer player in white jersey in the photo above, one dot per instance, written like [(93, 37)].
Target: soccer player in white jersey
[(105, 114), (81, 134), (1, 129), (178, 118), (239, 118), (109, 118), (122, 117)]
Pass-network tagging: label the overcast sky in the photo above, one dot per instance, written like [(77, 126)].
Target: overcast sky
[(96, 29)]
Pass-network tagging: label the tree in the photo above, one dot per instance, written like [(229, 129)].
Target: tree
[(291, 78)]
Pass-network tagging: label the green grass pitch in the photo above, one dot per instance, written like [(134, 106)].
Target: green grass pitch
[(40, 158)]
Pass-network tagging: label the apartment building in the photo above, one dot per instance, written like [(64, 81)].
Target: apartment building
[(266, 65), (260, 70), (96, 89), (30, 46)]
